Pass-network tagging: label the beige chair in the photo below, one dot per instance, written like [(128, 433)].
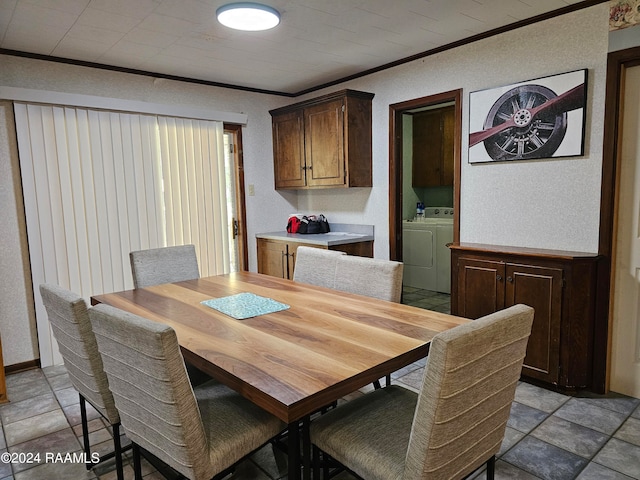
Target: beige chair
[(71, 327), (316, 266), (454, 425), (199, 432), (167, 265), (164, 265), (370, 276)]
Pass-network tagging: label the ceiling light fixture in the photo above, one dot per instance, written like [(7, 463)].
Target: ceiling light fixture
[(248, 16)]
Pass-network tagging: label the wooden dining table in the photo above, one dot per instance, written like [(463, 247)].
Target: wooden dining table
[(324, 345)]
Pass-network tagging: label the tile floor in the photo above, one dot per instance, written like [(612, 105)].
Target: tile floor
[(549, 435)]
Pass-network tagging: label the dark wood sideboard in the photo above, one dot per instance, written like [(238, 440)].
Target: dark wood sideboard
[(559, 285)]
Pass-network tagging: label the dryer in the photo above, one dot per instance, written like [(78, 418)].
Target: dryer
[(426, 257), (419, 254)]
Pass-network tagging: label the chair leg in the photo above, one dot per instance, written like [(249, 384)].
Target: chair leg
[(137, 464), (316, 462), (85, 431), (388, 379), (118, 451), (491, 468), (376, 384)]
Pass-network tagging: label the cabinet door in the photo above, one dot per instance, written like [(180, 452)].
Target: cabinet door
[(433, 147), (427, 149), (480, 287), (272, 258), (324, 144), (288, 150), (540, 288), (448, 127)]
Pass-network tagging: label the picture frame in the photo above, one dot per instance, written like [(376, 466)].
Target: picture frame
[(530, 120)]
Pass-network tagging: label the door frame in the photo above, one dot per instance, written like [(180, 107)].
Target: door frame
[(617, 63), (243, 254), (396, 111)]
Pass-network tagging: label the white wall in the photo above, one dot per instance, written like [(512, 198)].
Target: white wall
[(545, 204), (17, 317), (542, 204)]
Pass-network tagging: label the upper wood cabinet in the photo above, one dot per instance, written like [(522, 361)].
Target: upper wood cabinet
[(433, 147), (323, 142)]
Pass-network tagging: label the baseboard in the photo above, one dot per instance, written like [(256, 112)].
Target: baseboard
[(20, 367)]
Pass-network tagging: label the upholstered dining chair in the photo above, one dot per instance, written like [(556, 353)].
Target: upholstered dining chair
[(164, 265), (316, 266), (453, 425), (156, 266), (71, 327), (200, 432), (371, 277)]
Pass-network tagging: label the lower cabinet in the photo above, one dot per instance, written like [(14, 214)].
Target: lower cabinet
[(560, 286), (278, 257)]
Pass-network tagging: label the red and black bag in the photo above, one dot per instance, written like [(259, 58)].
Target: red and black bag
[(293, 225)]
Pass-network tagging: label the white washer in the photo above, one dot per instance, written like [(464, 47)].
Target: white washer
[(419, 254), (426, 257)]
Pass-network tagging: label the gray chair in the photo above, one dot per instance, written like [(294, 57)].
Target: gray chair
[(316, 266), (454, 425), (156, 266), (370, 276), (200, 432), (71, 327), (164, 265)]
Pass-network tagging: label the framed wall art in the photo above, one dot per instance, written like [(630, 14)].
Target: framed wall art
[(541, 118)]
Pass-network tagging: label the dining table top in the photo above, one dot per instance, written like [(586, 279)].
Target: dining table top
[(291, 362)]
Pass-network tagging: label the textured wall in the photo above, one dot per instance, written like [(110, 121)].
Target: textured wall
[(17, 321), (543, 204)]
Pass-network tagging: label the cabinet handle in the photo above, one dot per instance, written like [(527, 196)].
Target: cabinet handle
[(510, 279), (499, 278), (283, 262)]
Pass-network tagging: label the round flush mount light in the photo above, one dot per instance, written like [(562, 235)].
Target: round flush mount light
[(248, 16)]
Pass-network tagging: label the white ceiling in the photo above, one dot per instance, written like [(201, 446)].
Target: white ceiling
[(317, 41)]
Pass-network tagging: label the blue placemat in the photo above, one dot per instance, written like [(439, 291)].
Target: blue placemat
[(245, 305)]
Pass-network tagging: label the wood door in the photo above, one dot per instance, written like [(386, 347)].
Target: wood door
[(480, 287), (540, 288), (324, 144), (288, 150), (625, 337), (272, 258)]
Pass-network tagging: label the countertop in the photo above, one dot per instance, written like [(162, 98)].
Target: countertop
[(340, 234)]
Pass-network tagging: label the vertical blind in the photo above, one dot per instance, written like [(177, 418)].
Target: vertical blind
[(99, 184)]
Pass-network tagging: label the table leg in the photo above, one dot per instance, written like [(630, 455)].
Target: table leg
[(306, 449), (294, 451)]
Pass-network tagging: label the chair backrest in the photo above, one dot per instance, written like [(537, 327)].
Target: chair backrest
[(316, 266), (148, 378), (164, 265), (465, 400), (370, 276), (71, 327)]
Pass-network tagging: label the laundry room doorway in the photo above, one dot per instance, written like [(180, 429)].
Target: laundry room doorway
[(398, 146)]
